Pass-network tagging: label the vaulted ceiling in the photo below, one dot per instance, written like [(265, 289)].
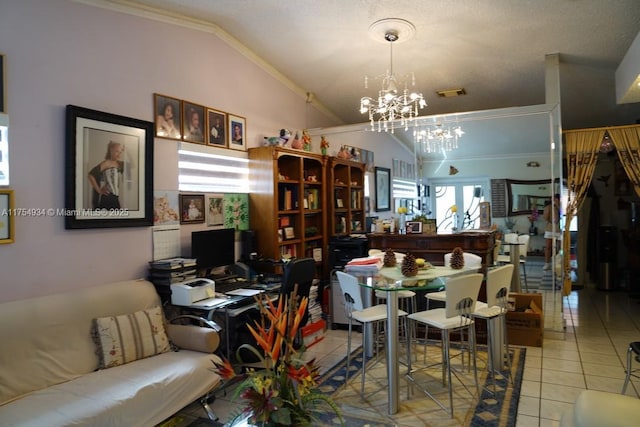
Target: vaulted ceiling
[(495, 50)]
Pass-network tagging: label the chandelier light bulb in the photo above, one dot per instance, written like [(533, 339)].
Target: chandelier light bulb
[(436, 138), (393, 104)]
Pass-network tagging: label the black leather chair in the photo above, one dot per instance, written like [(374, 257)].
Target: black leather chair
[(300, 271)]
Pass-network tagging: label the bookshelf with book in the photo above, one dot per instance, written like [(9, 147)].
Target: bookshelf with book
[(345, 183), (287, 203)]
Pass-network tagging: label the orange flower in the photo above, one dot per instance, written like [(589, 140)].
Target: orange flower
[(224, 369)]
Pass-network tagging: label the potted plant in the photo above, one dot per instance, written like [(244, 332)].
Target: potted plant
[(284, 392)]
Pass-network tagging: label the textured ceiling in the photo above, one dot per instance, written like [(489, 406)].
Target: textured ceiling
[(495, 49)]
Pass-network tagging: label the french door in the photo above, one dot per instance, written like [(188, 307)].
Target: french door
[(456, 202)]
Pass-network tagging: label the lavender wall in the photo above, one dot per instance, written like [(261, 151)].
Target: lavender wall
[(61, 52)]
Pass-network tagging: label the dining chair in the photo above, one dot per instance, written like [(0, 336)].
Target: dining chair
[(462, 294), (470, 261), (355, 310), (495, 309), (633, 350)]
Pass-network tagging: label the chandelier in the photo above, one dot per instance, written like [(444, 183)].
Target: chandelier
[(436, 138), (392, 104)]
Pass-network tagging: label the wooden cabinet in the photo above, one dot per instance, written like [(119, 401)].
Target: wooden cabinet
[(345, 184), (287, 203), (433, 247)]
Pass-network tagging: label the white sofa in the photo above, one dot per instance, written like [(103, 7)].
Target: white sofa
[(599, 409), (52, 346)]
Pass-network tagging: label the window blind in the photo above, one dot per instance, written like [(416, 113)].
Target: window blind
[(206, 171), (404, 188)]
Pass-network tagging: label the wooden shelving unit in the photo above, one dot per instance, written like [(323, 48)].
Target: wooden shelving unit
[(346, 210), (287, 203)]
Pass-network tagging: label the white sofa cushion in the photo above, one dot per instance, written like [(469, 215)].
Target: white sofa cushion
[(141, 393), (47, 340)]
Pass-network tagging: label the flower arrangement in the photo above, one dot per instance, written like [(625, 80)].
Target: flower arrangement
[(402, 210), (285, 391), (534, 216)]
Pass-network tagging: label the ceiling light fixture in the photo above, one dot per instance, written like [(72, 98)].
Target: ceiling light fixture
[(436, 138), (393, 104)]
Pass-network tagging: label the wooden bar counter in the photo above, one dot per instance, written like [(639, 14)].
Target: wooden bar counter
[(433, 247)]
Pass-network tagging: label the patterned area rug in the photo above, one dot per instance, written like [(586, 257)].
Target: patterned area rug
[(497, 409)]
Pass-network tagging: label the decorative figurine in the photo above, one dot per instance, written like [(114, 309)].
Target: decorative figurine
[(344, 153), (324, 145), (306, 140), (278, 140), (297, 142)]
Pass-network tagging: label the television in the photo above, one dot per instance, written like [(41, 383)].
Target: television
[(213, 248)]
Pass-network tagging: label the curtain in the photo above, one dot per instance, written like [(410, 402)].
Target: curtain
[(627, 142), (581, 154)]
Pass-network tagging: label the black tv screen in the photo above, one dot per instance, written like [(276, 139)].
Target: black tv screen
[(213, 248)]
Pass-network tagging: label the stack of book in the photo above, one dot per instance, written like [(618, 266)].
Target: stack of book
[(172, 270)]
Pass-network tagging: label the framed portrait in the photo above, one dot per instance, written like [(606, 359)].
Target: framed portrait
[(6, 218), (414, 227), (168, 117), (3, 85), (191, 208), (383, 189), (289, 233), (216, 128), (193, 122), (215, 210), (237, 132), (109, 170), (165, 207)]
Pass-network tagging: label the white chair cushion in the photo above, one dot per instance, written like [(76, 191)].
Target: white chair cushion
[(400, 294), (372, 314), (438, 319), (437, 296), (487, 312)]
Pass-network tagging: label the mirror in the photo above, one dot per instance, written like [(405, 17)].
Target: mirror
[(525, 196)]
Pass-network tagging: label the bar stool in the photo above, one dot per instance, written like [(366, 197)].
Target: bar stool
[(462, 293), (355, 310), (634, 347), (498, 283)]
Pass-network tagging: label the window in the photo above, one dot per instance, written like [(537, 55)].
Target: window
[(466, 195), (203, 170), (405, 194)]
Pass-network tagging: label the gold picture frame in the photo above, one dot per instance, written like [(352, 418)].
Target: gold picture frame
[(7, 215)]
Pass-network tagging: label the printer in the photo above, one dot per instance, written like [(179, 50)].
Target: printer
[(192, 291)]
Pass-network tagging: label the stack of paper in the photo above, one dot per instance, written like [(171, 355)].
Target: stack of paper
[(367, 264)]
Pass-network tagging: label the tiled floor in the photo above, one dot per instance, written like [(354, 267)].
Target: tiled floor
[(599, 327)]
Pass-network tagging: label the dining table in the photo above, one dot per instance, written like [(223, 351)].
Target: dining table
[(391, 280)]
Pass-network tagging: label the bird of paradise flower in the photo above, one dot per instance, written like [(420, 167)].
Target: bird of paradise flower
[(285, 391)]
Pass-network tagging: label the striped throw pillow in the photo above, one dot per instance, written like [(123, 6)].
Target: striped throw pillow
[(123, 339)]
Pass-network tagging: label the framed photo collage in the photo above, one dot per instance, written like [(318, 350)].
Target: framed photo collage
[(187, 121)]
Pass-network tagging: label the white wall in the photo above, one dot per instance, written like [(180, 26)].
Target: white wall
[(60, 52)]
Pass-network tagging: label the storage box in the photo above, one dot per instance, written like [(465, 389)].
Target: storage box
[(525, 327), (313, 333)]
